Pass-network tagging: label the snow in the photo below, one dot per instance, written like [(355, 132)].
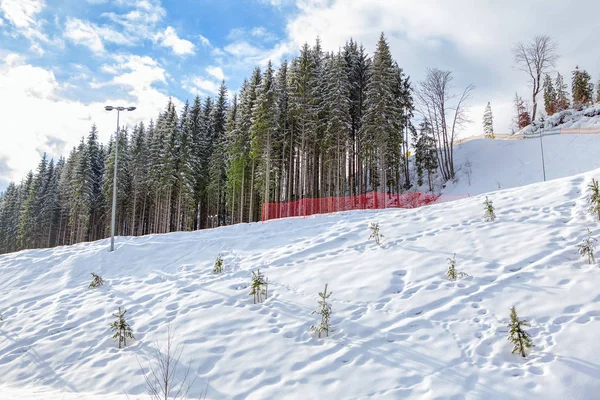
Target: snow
[(401, 329), (572, 119), (503, 164)]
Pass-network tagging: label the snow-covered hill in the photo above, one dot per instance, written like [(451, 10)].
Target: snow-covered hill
[(503, 164), (401, 329)]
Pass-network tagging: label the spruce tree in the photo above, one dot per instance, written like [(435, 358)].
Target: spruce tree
[(586, 247), (598, 92), (550, 97), (121, 329), (562, 94), (490, 214), (325, 312), (594, 198), (582, 88), (520, 339), (488, 122)]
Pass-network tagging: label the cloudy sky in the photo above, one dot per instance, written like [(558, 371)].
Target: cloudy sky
[(61, 61)]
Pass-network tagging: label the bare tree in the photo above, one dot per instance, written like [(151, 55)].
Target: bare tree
[(536, 58), (447, 113), (162, 382)]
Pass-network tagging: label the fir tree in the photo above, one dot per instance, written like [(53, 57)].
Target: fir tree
[(97, 281), (586, 247), (490, 214), (375, 234), (520, 339), (598, 92), (325, 312), (562, 94), (594, 198), (488, 122), (121, 329), (452, 274), (259, 287), (218, 267), (582, 88), (550, 97)]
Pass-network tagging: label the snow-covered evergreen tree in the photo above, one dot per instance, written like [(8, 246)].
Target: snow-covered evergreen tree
[(550, 97), (562, 94), (587, 246), (488, 122), (582, 88), (490, 214), (594, 198)]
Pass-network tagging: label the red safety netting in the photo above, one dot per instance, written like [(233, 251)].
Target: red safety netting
[(367, 201)]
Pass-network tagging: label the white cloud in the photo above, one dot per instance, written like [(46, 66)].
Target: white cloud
[(204, 41), (23, 16), (93, 36), (59, 122), (22, 13), (216, 72), (199, 85), (169, 38)]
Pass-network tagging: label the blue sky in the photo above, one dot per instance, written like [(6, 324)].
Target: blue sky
[(62, 60)]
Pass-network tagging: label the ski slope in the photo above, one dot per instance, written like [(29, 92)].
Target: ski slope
[(503, 164), (401, 329)]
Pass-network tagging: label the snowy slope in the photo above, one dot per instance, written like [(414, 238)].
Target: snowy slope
[(503, 164), (401, 329)]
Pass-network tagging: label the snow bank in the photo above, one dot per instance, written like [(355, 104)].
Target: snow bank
[(401, 329)]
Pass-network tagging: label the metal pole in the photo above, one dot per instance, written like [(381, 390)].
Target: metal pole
[(114, 199), (542, 149)]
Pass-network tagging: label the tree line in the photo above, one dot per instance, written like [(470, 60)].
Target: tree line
[(323, 124)]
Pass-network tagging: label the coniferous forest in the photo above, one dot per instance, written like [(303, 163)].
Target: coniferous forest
[(323, 124)]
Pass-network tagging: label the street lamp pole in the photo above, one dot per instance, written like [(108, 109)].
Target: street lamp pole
[(115, 165), (542, 148)]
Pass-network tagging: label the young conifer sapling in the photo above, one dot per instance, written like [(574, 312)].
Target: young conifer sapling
[(218, 267), (586, 247), (452, 274), (594, 198), (520, 339), (490, 214), (259, 287), (375, 233), (97, 281), (121, 329), (325, 312)]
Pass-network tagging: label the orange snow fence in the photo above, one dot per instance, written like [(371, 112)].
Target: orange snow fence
[(367, 201)]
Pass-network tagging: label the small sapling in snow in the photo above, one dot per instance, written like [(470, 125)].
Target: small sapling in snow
[(325, 312), (121, 329), (218, 268), (594, 198), (452, 274), (259, 287), (375, 233), (586, 247), (490, 214), (520, 339), (97, 281)]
